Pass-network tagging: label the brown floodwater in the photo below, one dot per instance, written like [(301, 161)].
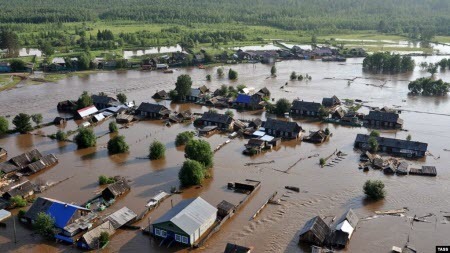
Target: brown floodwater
[(325, 191)]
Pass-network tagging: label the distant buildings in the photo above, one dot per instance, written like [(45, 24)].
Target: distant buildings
[(186, 222), (282, 129), (305, 109), (383, 119)]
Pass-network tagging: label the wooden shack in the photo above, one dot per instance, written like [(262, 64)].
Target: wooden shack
[(315, 231), (115, 190), (225, 208), (424, 171), (247, 185)]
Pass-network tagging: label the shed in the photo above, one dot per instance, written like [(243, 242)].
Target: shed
[(186, 222), (234, 248), (115, 190), (315, 231), (121, 217), (402, 168), (248, 185), (90, 240), (225, 208), (424, 171), (24, 189)]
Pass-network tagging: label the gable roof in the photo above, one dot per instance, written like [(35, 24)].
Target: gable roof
[(20, 189), (264, 91), (98, 99), (394, 143), (121, 217), (318, 227), (234, 248), (152, 108), (7, 167), (243, 98), (189, 215), (160, 94), (280, 125), (87, 111), (384, 116), (44, 162), (91, 237), (26, 158), (216, 117), (349, 216), (305, 106), (118, 187)]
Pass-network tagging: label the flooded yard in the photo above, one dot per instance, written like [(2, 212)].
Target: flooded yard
[(323, 191)]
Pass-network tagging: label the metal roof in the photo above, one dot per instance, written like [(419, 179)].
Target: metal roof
[(87, 111), (92, 236), (189, 215), (243, 98), (394, 143), (4, 214), (121, 217)]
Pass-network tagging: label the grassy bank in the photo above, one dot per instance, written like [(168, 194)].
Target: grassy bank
[(7, 81)]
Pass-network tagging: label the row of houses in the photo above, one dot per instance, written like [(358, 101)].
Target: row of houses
[(398, 147), (27, 163)]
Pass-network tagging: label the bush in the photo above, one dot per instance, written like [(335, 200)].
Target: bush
[(374, 189), (192, 173), (220, 72), (282, 106), (229, 113), (22, 123), (374, 133), (102, 180), (232, 74), (61, 135), (21, 213), (113, 127), (37, 118), (322, 162), (208, 77), (293, 75), (103, 239), (122, 98), (157, 150), (200, 151), (273, 70), (17, 201), (183, 138), (4, 125), (373, 144), (85, 138), (117, 145), (45, 225)]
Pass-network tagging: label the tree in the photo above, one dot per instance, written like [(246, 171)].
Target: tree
[(85, 138), (183, 86), (229, 113), (102, 180), (22, 123), (117, 145), (191, 173), (84, 100), (323, 112), (37, 118), (4, 125), (408, 138), (322, 162), (273, 70), (429, 87), (432, 69), (157, 150), (208, 77), (374, 189), (220, 72), (10, 41), (183, 138), (232, 74), (282, 106), (17, 65), (241, 87), (47, 49), (45, 225), (313, 39), (327, 131), (122, 98), (293, 75), (200, 151), (84, 61), (103, 239), (61, 135), (223, 90), (375, 133), (373, 144), (113, 127), (17, 201)]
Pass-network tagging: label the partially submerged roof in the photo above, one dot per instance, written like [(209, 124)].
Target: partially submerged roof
[(155, 108), (121, 217), (4, 214), (91, 237), (350, 216), (226, 206), (87, 111), (217, 118), (100, 99), (26, 158), (394, 143), (189, 215), (305, 106), (20, 189), (118, 187), (234, 248), (388, 116), (244, 99), (45, 162), (280, 125), (317, 226), (7, 167)]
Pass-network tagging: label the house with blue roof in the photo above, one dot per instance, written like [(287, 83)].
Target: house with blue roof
[(252, 102), (64, 215)]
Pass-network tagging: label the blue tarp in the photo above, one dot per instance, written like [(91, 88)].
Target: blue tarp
[(62, 213), (242, 98)]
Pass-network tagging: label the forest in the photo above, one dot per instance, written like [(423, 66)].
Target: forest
[(414, 17)]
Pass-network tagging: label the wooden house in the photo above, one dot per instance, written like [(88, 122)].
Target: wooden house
[(186, 222), (90, 240), (103, 101), (255, 123), (383, 119), (67, 106), (402, 168), (252, 102), (121, 217), (24, 190), (195, 95), (152, 111), (316, 137), (115, 190), (339, 113), (44, 162), (398, 147), (23, 160), (234, 248), (315, 231), (161, 95), (222, 121), (424, 171), (302, 108), (225, 208), (331, 102), (282, 129), (389, 169), (343, 230)]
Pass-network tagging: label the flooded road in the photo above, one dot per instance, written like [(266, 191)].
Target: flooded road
[(325, 191)]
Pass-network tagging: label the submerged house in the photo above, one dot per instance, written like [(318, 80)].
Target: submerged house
[(23, 160), (282, 129), (383, 119), (121, 217), (339, 113), (186, 222), (330, 102), (411, 149), (343, 231), (86, 112), (115, 190), (43, 163), (222, 121), (315, 232), (67, 106), (306, 109), (248, 102), (103, 101), (63, 214), (162, 94), (7, 168), (195, 95), (90, 240), (23, 190), (152, 111), (317, 137), (234, 248)]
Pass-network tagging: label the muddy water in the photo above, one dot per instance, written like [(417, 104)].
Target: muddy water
[(324, 191)]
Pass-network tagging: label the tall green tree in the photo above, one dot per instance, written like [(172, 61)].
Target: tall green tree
[(84, 100), (122, 98), (85, 138), (22, 123), (157, 150), (117, 145), (45, 226), (37, 118), (4, 125), (10, 41), (282, 106), (191, 173), (374, 189), (183, 86), (232, 74), (200, 151)]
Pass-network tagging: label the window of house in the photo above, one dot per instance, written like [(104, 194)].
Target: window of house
[(163, 233), (185, 239), (177, 238), (157, 232)]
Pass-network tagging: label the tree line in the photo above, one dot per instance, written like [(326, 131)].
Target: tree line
[(385, 62)]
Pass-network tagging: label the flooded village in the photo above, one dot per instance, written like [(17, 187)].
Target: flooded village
[(286, 183)]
